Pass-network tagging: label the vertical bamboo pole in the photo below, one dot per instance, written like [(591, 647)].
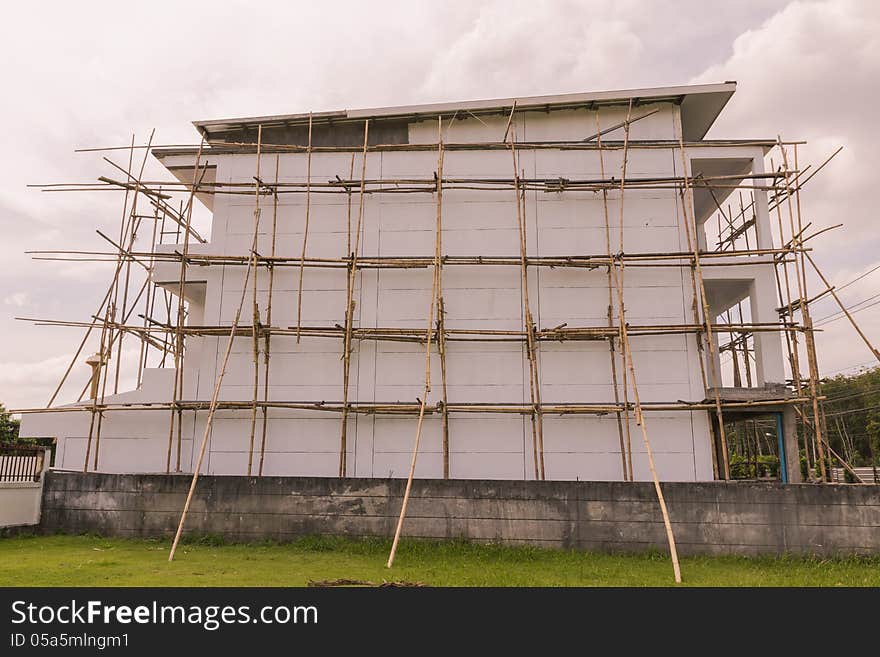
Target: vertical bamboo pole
[(267, 348), (625, 446), (734, 338), (441, 347), (212, 409), (441, 307), (346, 338), (255, 322), (435, 293), (349, 308), (305, 232), (536, 416)]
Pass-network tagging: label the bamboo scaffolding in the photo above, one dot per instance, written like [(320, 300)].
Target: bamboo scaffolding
[(169, 336)]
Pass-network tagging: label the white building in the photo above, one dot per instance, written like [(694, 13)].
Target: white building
[(559, 221)]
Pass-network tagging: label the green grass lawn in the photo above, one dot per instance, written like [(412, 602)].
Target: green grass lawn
[(92, 561)]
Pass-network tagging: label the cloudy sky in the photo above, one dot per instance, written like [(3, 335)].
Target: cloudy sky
[(83, 74)]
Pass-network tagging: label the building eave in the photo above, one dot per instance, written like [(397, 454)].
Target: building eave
[(701, 104)]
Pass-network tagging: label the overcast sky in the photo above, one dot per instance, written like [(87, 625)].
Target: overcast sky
[(82, 74)]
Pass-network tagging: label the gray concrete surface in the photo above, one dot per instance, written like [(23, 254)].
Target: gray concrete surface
[(708, 518)]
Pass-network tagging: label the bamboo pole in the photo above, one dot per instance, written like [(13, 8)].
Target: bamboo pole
[(441, 307), (625, 446), (346, 344), (305, 230), (255, 328), (435, 293), (268, 334), (212, 409), (405, 408)]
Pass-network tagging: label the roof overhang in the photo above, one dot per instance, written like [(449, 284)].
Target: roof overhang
[(700, 106)]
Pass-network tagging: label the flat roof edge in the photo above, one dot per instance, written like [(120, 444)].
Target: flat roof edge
[(522, 102)]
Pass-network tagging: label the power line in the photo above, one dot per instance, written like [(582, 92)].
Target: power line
[(849, 367), (853, 410), (858, 278), (869, 391), (833, 317)]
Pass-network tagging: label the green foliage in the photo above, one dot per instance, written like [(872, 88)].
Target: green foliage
[(745, 468), (8, 426), (852, 412)]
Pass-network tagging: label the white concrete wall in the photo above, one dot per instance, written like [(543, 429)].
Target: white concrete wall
[(20, 503), (475, 223), (20, 500)]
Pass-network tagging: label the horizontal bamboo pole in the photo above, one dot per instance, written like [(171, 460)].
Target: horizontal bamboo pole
[(591, 261), (405, 408), (559, 333)]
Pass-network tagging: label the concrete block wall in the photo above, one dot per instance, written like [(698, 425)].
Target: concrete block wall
[(708, 518)]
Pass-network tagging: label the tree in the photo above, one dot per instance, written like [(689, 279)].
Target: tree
[(8, 426)]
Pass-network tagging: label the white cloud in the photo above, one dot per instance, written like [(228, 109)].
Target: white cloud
[(17, 299)]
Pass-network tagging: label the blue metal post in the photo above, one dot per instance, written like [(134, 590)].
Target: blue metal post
[(783, 468)]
